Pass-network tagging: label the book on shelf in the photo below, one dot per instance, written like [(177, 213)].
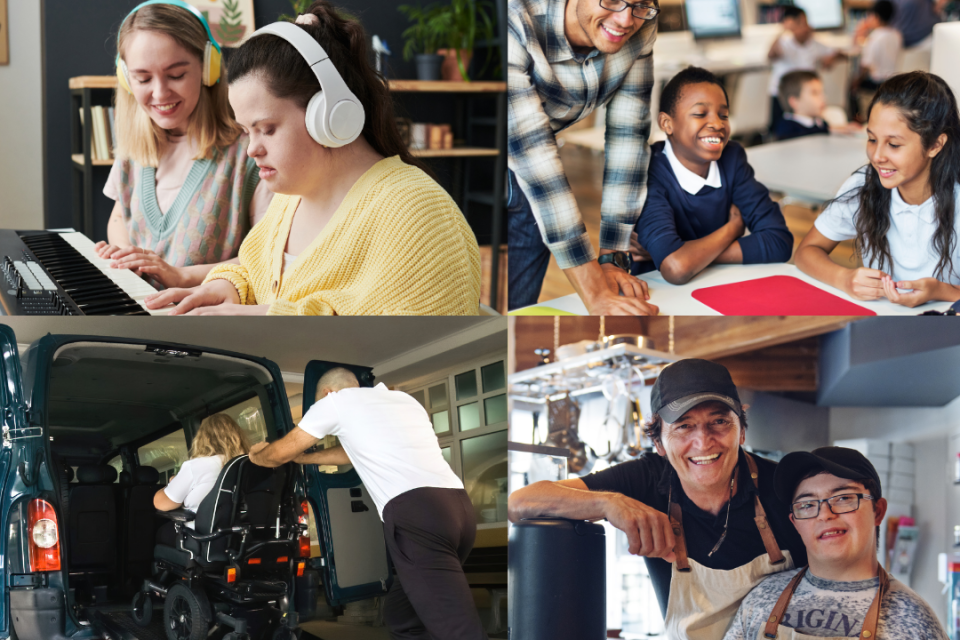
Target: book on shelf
[(113, 131), (101, 131)]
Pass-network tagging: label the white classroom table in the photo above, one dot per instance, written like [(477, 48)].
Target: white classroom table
[(811, 168), (676, 300)]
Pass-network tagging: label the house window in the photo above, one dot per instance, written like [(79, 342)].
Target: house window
[(468, 409)]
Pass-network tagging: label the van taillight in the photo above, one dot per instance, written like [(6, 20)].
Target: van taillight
[(44, 536), (305, 539)]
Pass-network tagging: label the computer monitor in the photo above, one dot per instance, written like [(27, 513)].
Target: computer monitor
[(713, 18), (822, 14), (946, 52)]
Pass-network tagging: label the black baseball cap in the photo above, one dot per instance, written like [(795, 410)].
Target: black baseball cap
[(838, 461), (687, 383)]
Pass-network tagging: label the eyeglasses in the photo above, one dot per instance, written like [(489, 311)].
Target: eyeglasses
[(844, 503), (641, 10)]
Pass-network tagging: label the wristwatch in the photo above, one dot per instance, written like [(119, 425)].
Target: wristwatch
[(618, 258)]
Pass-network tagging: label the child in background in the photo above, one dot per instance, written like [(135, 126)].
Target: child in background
[(802, 100), (186, 192), (879, 54), (901, 208), (794, 50), (702, 195)]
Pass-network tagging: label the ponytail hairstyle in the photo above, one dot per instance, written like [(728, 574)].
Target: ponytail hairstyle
[(138, 137), (929, 108), (287, 75)]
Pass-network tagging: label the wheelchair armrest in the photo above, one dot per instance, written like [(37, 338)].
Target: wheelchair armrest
[(178, 515), (205, 537)]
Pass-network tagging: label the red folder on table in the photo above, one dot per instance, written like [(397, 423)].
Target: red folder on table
[(776, 296)]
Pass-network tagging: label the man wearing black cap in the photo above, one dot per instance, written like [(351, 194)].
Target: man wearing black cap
[(836, 506), (701, 510)]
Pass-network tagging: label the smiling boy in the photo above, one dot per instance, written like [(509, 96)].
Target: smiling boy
[(837, 507), (702, 195)]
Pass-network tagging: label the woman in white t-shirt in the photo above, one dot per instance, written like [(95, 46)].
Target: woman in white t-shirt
[(901, 209), (218, 440)]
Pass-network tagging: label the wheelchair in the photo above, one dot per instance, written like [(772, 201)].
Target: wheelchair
[(233, 575)]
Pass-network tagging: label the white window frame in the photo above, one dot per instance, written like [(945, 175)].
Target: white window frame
[(455, 437)]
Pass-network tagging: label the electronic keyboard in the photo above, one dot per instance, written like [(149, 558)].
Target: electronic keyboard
[(55, 273)]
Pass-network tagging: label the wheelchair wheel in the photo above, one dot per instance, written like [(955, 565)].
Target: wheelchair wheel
[(142, 609), (182, 617), (283, 633)]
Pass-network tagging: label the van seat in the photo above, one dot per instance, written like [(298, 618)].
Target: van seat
[(93, 520), (141, 523)]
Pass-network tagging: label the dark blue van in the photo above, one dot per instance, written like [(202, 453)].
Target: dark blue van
[(92, 427)]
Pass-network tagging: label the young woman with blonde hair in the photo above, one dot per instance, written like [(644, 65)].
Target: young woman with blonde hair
[(218, 440), (186, 192)]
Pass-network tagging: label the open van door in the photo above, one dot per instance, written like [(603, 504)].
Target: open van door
[(17, 435), (355, 563)]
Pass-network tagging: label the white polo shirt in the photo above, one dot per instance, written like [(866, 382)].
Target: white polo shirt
[(389, 438), (880, 53), (912, 227), (796, 57)]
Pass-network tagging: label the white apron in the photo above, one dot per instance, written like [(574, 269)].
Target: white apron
[(703, 602), (775, 630)]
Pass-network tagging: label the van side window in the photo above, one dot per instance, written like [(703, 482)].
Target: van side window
[(165, 454), (249, 416)]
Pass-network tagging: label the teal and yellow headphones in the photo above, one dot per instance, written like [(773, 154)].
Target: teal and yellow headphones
[(211, 54)]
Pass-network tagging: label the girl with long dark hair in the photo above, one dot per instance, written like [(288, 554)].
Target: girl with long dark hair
[(901, 208), (357, 226)]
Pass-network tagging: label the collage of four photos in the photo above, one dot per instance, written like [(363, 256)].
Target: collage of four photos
[(667, 219)]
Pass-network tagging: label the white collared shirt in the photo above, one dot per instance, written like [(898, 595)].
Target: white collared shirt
[(388, 437), (688, 180), (910, 238), (796, 57), (806, 121)]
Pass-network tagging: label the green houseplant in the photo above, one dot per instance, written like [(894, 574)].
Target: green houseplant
[(429, 30), (469, 20)]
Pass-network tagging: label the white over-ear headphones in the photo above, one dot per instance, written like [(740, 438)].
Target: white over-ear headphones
[(334, 115)]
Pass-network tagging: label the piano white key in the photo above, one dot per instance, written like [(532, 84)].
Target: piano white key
[(132, 284)]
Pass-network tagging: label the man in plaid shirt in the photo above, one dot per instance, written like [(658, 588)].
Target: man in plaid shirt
[(566, 58)]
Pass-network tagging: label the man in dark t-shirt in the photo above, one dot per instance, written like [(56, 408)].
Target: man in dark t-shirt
[(722, 516)]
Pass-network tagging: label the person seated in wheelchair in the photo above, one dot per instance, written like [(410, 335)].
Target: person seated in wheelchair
[(230, 556), (218, 440)]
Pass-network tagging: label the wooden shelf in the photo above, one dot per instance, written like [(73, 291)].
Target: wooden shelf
[(457, 152), (461, 152), (93, 82), (443, 86), (78, 158), (423, 86)]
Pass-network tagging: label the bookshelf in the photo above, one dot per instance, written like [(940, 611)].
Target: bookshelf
[(87, 91)]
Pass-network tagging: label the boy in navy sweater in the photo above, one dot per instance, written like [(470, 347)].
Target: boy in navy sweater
[(803, 102), (701, 194)]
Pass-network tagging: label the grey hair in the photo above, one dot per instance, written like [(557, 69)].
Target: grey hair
[(338, 378)]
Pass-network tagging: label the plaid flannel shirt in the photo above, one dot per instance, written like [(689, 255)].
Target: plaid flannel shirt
[(550, 87)]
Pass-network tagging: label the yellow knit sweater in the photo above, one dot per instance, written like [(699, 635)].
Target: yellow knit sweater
[(397, 245)]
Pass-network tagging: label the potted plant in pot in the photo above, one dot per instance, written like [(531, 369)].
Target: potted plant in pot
[(469, 21), (430, 29)]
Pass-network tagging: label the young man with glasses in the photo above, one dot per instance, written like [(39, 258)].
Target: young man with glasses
[(565, 59), (836, 505)]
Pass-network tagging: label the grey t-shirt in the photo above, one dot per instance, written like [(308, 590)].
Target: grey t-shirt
[(827, 608)]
